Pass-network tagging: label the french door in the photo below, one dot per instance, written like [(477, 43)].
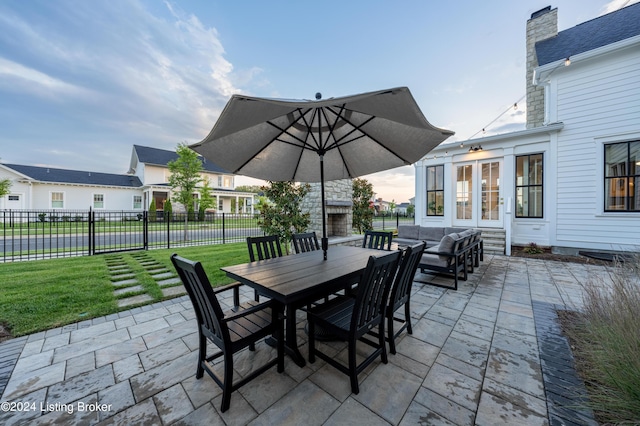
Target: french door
[(478, 197)]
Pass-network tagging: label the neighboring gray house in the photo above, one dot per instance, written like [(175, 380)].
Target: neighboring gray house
[(571, 180), (43, 188)]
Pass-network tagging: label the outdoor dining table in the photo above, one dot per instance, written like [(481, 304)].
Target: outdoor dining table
[(300, 279)]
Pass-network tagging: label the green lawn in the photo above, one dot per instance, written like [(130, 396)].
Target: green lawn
[(43, 294)]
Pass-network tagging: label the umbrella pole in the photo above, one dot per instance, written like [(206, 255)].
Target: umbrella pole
[(325, 240)]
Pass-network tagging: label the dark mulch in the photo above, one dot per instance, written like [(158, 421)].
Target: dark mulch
[(547, 255)]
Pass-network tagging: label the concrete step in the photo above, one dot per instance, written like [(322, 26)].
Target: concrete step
[(493, 240)]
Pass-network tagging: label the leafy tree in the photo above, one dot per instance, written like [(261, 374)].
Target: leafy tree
[(185, 177), (281, 214), (153, 215), (411, 209), (206, 199), (5, 186), (256, 189), (362, 208), (392, 206)]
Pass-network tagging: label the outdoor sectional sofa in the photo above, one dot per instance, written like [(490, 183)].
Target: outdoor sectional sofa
[(449, 250)]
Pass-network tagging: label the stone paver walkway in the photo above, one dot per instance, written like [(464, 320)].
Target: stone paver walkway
[(128, 290), (490, 353)]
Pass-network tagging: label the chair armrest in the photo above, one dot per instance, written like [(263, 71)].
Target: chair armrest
[(236, 291), (250, 310)]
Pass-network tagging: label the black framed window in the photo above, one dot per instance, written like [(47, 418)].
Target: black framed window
[(622, 177), (529, 185), (435, 190)]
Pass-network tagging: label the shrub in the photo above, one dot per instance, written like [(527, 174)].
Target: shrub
[(532, 248), (606, 340), (168, 211), (153, 215)]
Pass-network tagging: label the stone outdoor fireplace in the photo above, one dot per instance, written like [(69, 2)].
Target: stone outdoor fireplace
[(339, 208)]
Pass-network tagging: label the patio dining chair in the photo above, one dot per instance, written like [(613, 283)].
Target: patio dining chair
[(232, 331), (261, 248), (351, 318), (379, 240), (305, 242), (401, 293)]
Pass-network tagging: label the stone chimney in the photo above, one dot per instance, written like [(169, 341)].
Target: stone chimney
[(542, 25)]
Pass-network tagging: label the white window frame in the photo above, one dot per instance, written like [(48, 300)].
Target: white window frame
[(134, 202), (93, 199), (51, 200)]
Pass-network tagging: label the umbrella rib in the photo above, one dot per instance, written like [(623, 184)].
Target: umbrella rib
[(304, 144), (335, 143), (285, 130), (370, 137)]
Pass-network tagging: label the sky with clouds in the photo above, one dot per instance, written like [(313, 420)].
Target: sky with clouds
[(81, 82)]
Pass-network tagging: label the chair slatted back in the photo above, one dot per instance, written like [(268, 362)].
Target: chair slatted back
[(305, 242), (401, 289), (261, 248), (378, 240), (205, 303), (373, 290)]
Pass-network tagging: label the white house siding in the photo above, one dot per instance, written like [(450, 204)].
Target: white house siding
[(503, 148), (599, 102), (80, 197), (154, 175), (17, 188)]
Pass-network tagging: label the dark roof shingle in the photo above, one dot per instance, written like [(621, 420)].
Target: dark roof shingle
[(598, 32), (48, 174), (161, 157)]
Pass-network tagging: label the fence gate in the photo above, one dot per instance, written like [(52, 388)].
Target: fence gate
[(114, 231)]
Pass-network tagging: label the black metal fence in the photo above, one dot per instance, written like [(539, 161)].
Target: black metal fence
[(388, 220), (43, 234)]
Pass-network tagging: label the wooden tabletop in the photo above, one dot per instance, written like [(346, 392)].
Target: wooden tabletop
[(293, 278)]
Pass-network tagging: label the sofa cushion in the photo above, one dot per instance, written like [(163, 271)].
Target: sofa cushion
[(466, 232), (433, 250), (446, 245), (409, 232), (432, 260), (450, 230), (429, 233)]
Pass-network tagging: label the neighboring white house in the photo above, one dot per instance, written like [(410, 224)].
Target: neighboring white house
[(571, 180), (402, 208), (150, 166), (44, 188)]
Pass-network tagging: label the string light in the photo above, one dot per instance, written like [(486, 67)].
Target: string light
[(567, 62), (515, 106)]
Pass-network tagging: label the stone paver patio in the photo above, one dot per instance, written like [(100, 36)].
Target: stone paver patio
[(490, 353)]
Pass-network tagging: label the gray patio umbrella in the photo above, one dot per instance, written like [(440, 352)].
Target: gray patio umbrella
[(321, 140)]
